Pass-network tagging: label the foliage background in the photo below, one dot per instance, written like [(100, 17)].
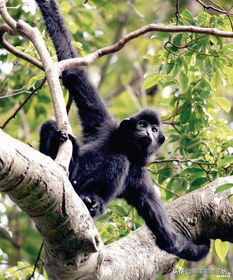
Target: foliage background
[(191, 87)]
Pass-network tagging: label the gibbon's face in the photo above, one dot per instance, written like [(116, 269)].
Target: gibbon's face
[(149, 135), (143, 132)]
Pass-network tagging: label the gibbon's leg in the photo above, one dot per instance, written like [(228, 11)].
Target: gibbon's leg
[(51, 138)]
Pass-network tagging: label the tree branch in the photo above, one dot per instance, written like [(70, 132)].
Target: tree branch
[(20, 54), (5, 28), (6, 17), (86, 60), (52, 74), (40, 187)]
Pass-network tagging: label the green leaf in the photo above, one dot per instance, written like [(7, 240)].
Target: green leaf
[(178, 39), (34, 79), (228, 71), (10, 58), (224, 103), (226, 160), (174, 71), (66, 7), (180, 263), (161, 36), (204, 84), (204, 94), (186, 112), (188, 16), (184, 81), (216, 80), (199, 182), (192, 170), (78, 45), (150, 81), (223, 187), (164, 174), (44, 99), (169, 67), (221, 248), (172, 185)]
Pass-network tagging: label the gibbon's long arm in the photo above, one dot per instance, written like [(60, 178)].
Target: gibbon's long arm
[(92, 110), (152, 209)]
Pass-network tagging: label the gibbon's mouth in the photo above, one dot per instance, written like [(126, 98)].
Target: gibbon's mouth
[(147, 140)]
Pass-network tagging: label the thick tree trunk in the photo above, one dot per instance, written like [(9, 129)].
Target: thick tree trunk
[(73, 248)]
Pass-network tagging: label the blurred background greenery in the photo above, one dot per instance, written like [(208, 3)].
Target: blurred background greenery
[(191, 87)]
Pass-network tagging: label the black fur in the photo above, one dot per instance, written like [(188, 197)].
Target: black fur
[(111, 160)]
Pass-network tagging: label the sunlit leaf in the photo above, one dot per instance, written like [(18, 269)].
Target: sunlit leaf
[(226, 160), (65, 6), (78, 45), (150, 81), (223, 188), (223, 103), (221, 248)]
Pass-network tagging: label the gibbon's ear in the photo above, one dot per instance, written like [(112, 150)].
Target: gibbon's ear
[(125, 124)]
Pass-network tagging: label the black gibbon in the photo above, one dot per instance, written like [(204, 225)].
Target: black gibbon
[(111, 160)]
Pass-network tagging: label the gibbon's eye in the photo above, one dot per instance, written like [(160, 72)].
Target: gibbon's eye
[(142, 124), (154, 129)]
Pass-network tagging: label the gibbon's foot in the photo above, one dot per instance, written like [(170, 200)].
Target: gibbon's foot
[(186, 249), (62, 136), (94, 204)]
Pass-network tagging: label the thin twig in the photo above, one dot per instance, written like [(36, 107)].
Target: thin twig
[(163, 188), (36, 262), (182, 161), (167, 190), (216, 9), (216, 4), (25, 101), (177, 13), (14, 94)]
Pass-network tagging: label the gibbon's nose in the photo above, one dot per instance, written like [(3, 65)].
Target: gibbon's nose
[(149, 134)]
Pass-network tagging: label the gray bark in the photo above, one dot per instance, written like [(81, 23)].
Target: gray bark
[(73, 248)]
